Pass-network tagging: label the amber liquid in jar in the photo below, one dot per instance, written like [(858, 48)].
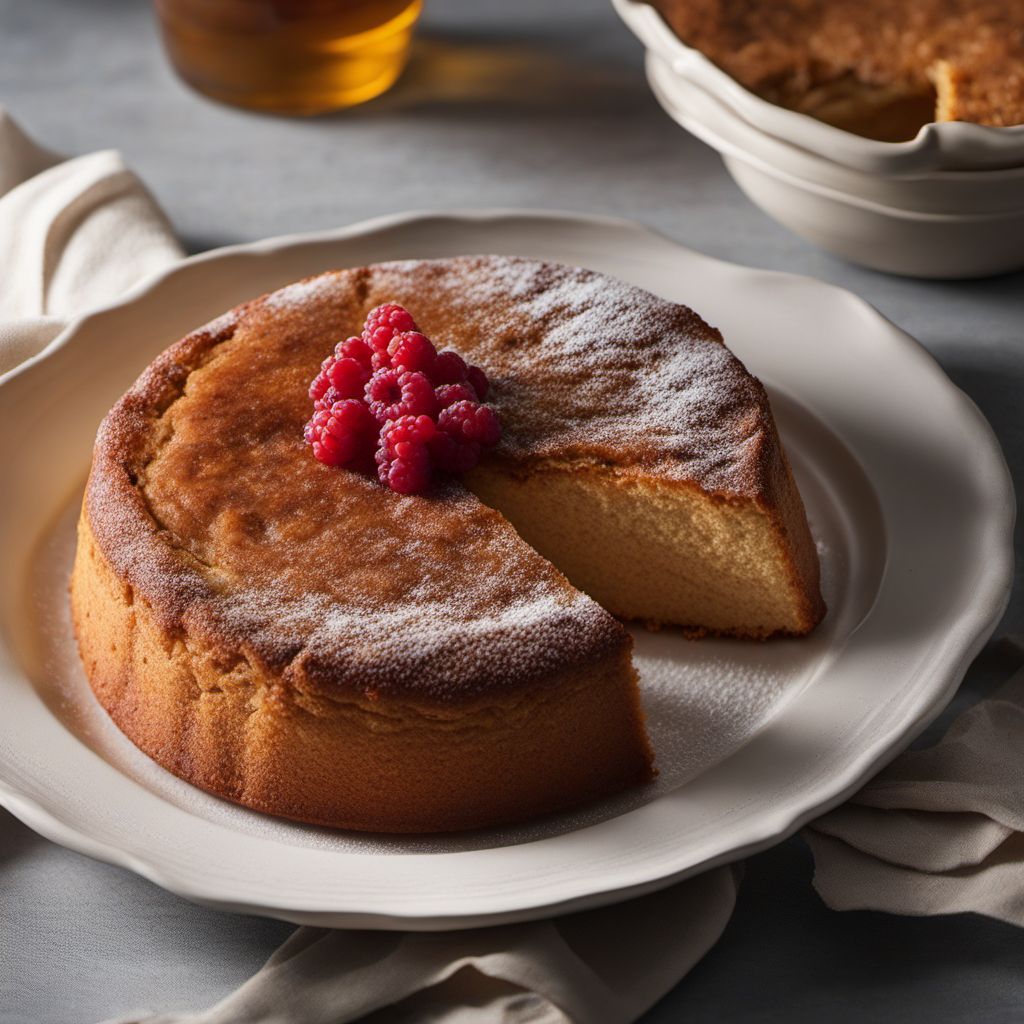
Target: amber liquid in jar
[(288, 56)]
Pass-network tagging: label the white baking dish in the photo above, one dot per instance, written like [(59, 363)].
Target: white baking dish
[(942, 225)]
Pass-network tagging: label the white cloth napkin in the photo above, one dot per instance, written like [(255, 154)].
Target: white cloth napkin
[(941, 830), (75, 234), (603, 966)]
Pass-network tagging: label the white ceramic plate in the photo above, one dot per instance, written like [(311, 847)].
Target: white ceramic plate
[(950, 145), (906, 489)]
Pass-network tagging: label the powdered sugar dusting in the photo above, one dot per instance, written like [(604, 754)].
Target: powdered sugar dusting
[(306, 564), (222, 323), (585, 366), (300, 293), (388, 646)]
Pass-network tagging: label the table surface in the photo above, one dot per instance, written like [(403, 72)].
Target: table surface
[(527, 104)]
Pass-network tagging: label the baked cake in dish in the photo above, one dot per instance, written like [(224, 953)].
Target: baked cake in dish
[(881, 68), (299, 639)]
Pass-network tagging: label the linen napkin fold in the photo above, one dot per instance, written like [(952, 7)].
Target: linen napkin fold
[(940, 830), (604, 966), (74, 235), (77, 233)]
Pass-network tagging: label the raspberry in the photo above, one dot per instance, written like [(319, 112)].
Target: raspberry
[(354, 348), (391, 394), (328, 398), (468, 421), (412, 429), (449, 394), (411, 351), (321, 382), (348, 376), (384, 322), (451, 455), (448, 368), (319, 387), (311, 431), (478, 380), (403, 464), (388, 398), (343, 434)]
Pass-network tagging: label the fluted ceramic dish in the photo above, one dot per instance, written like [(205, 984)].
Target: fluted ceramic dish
[(946, 224), (947, 146), (907, 493)]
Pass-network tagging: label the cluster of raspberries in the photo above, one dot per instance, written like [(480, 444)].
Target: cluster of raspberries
[(389, 401)]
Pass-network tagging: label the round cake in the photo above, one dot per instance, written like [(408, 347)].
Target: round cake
[(299, 639)]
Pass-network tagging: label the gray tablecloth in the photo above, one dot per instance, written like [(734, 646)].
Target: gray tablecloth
[(536, 104)]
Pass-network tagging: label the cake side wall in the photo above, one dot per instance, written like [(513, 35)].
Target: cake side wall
[(242, 733)]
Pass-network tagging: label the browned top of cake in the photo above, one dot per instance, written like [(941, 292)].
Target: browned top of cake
[(207, 501), (785, 49)]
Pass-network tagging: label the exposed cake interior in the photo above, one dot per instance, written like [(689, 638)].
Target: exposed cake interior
[(655, 552)]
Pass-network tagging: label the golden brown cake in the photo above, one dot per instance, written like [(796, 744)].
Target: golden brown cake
[(881, 68), (299, 639)]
